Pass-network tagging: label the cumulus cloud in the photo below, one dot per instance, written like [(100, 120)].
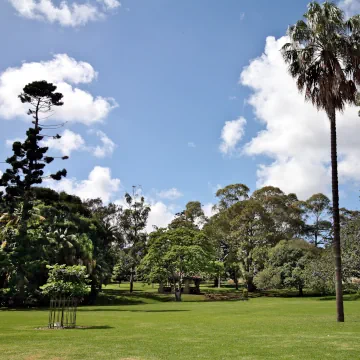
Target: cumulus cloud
[(110, 4), (107, 147), (296, 137), (351, 7), (170, 194), (209, 210), (64, 71), (160, 215), (70, 15), (68, 143), (99, 184), (9, 143), (231, 134)]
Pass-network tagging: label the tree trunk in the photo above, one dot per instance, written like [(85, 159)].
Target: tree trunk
[(219, 281), (131, 281), (301, 291), (93, 293), (336, 220), (236, 281), (197, 286), (23, 239), (177, 294), (250, 285), (178, 290)]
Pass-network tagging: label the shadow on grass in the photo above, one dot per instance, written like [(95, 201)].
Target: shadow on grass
[(121, 297), (25, 309), (100, 327), (353, 297), (141, 311)]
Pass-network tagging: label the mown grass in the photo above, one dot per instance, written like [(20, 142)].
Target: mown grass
[(149, 326)]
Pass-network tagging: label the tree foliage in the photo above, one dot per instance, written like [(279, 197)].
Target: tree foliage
[(174, 254), (66, 282)]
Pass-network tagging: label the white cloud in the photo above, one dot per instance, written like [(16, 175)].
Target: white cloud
[(351, 7), (231, 98), (208, 210), (231, 134), (68, 143), (242, 16), (170, 194), (110, 4), (62, 70), (99, 184), (107, 147), (9, 142), (160, 216), (73, 14), (296, 136), (191, 144), (71, 141)]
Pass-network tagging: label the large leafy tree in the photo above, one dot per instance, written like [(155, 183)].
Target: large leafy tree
[(193, 216), (174, 254), (318, 208), (132, 222), (324, 57), (350, 246), (286, 265), (231, 194), (285, 210), (217, 229), (251, 234), (246, 226), (107, 239)]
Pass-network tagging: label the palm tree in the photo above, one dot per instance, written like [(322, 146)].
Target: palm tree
[(323, 55)]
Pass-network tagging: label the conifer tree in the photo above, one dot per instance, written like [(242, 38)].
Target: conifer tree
[(27, 165)]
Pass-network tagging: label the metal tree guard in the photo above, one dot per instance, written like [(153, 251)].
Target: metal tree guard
[(62, 313)]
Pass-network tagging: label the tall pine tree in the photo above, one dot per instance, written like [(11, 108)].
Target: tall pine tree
[(27, 166)]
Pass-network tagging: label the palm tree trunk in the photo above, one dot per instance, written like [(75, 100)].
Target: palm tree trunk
[(336, 220)]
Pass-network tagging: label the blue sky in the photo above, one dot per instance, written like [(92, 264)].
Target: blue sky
[(169, 73)]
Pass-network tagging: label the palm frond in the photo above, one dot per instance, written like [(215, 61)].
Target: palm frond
[(323, 55)]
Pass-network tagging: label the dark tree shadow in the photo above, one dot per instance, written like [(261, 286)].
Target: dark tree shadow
[(352, 297), (25, 309), (100, 327), (121, 297), (126, 310)]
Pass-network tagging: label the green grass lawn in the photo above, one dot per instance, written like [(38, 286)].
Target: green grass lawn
[(148, 326)]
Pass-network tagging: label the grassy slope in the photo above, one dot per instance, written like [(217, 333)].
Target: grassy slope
[(261, 328)]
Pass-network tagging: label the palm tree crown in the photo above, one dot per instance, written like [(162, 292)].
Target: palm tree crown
[(324, 56)]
